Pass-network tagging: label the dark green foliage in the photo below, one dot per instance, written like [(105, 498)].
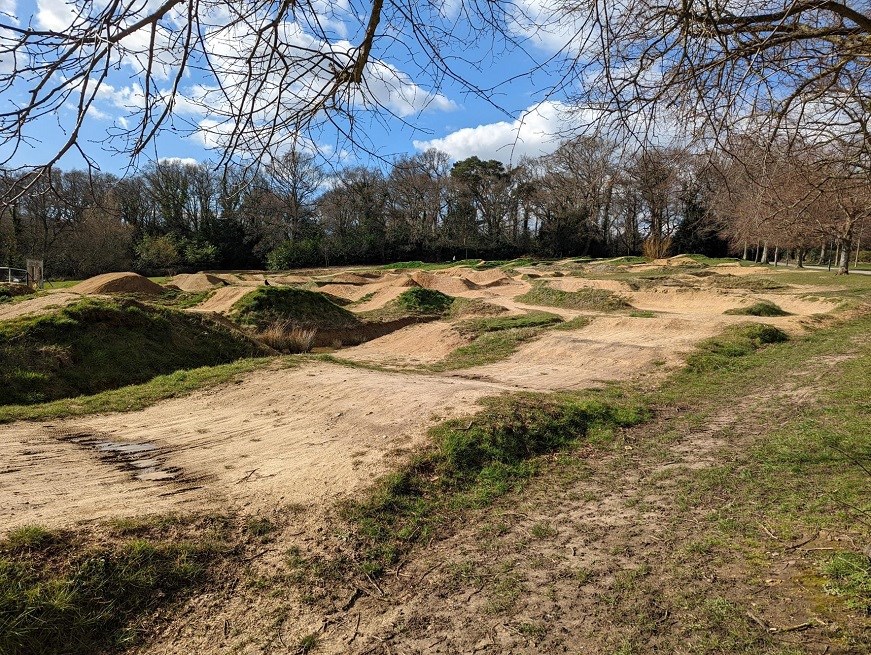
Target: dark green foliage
[(724, 351), (762, 308), (593, 299), (302, 307), (95, 345), (424, 301), (54, 602)]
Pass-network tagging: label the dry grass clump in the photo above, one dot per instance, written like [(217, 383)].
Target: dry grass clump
[(287, 337)]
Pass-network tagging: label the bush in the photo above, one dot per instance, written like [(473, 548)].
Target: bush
[(762, 308), (307, 309)]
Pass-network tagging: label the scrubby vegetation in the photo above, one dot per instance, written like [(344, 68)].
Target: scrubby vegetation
[(95, 345), (761, 308)]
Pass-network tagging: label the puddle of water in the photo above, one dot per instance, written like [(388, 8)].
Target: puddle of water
[(142, 459)]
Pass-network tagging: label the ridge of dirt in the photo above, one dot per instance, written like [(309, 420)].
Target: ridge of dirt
[(118, 283)]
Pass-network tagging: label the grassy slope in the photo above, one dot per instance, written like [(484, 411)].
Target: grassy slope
[(592, 299), (96, 345), (303, 307)]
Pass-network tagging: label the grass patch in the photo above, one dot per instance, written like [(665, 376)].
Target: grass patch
[(96, 345), (135, 397), (418, 300), (642, 313), (308, 309), (748, 282), (849, 575), (724, 351), (475, 460), (475, 327), (592, 299), (761, 308), (429, 266), (63, 595), (486, 349)]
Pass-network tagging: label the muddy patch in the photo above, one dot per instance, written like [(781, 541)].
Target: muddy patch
[(144, 461)]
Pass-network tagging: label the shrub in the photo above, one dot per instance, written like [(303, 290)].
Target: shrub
[(287, 337)]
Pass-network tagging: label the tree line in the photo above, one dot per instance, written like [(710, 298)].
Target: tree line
[(588, 198)]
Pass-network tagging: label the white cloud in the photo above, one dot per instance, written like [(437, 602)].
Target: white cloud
[(535, 133), (183, 161)]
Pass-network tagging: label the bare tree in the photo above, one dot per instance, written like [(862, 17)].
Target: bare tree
[(247, 75)]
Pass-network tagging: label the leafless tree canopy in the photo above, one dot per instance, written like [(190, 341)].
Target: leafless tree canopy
[(710, 65), (247, 74)]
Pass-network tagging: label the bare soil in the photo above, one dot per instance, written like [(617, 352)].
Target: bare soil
[(298, 439)]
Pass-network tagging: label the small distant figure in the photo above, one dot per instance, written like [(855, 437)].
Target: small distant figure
[(454, 259), (266, 282)]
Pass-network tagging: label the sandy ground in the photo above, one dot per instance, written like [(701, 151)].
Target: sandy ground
[(282, 436), (39, 305), (310, 434), (417, 344)]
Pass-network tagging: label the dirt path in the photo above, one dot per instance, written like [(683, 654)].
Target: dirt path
[(301, 435), (40, 305)]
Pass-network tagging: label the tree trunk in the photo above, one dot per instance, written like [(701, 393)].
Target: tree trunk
[(764, 258), (776, 253), (822, 255), (744, 256), (800, 258)]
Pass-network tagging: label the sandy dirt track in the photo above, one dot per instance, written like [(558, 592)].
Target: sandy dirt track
[(280, 436), (40, 305)]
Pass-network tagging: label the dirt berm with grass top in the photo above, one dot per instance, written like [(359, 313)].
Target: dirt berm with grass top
[(97, 344), (334, 325)]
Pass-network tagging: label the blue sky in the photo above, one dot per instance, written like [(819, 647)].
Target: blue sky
[(520, 118)]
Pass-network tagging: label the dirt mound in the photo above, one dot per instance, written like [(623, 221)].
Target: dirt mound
[(351, 278), (489, 278), (118, 283), (223, 300), (416, 344), (197, 282), (572, 284), (289, 279), (448, 284)]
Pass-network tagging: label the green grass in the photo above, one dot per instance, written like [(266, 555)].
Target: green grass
[(137, 396), (748, 282), (475, 327), (726, 351), (64, 595), (418, 300), (761, 308), (303, 307), (591, 299), (97, 345), (473, 461), (486, 349), (849, 575)]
